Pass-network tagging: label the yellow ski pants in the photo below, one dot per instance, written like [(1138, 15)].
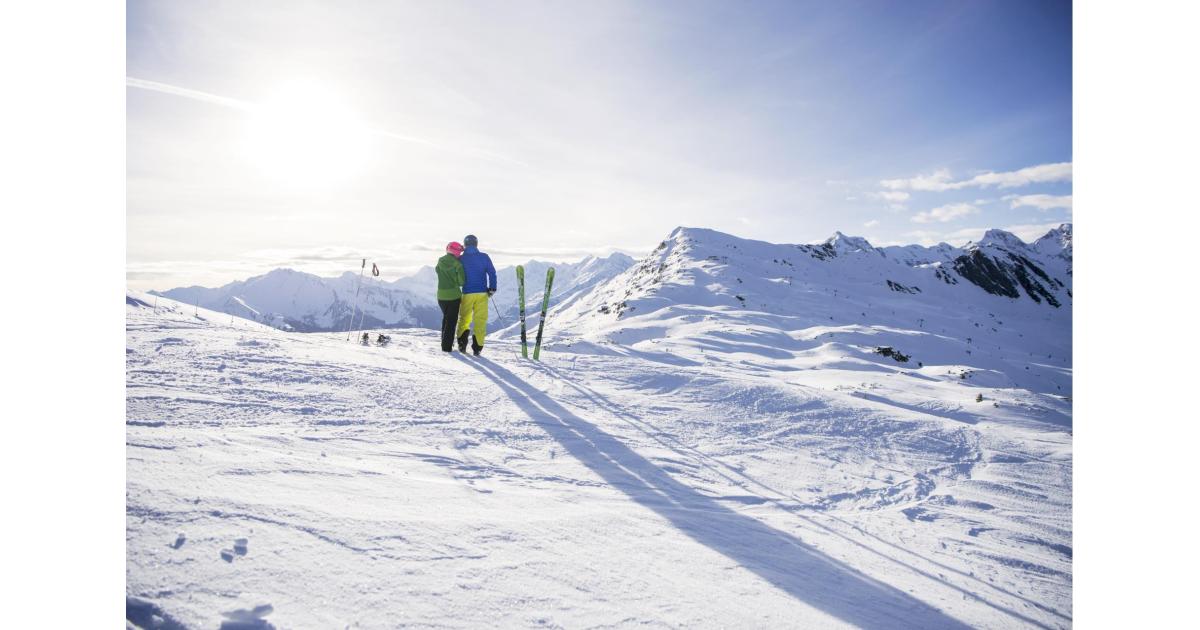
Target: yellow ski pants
[(474, 307)]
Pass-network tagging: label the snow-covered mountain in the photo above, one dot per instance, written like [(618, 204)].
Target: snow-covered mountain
[(993, 306), (297, 301), (571, 281), (1056, 244)]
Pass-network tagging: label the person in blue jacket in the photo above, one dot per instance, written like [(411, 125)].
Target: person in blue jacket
[(479, 286)]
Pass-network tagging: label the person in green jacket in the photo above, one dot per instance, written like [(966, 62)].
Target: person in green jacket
[(449, 294)]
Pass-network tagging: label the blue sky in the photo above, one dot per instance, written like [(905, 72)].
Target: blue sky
[(312, 134)]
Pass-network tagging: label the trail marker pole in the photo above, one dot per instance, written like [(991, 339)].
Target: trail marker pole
[(350, 329)]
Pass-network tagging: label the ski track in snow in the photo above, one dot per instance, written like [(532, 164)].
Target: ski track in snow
[(303, 481)]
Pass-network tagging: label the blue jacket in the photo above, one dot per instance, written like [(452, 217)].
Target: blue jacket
[(481, 274)]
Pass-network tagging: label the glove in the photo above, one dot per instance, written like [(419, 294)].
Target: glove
[(491, 292)]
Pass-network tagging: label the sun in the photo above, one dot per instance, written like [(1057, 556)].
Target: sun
[(305, 136)]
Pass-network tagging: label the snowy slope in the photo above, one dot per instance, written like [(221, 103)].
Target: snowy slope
[(747, 475), (997, 311), (571, 281)]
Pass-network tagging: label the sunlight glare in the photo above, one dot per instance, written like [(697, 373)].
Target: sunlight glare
[(305, 136)]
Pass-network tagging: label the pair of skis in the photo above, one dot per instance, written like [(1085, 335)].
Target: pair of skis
[(537, 346)]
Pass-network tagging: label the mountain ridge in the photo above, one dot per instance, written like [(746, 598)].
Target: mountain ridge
[(303, 302), (705, 296)]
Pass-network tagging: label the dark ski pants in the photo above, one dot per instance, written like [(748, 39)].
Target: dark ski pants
[(449, 322)]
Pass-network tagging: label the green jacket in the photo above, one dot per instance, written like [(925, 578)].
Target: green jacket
[(451, 277)]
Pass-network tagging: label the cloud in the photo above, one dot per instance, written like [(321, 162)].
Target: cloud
[(1041, 202), (1028, 232), (872, 223), (894, 196), (1042, 173), (928, 238), (937, 181), (197, 95), (964, 235), (942, 214), (224, 101), (941, 180)]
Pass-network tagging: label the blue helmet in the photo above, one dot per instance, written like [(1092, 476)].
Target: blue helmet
[(471, 241)]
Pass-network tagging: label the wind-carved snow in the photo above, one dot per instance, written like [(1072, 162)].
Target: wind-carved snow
[(725, 446)]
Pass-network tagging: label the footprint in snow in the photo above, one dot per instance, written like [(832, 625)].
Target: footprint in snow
[(240, 547), (248, 619), (143, 613)]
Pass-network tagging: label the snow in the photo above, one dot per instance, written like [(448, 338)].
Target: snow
[(689, 460)]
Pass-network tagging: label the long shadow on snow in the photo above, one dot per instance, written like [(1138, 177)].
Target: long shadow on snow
[(718, 468), (779, 558)]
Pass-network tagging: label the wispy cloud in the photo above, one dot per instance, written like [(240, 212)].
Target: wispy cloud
[(1041, 202), (225, 101), (894, 199), (1028, 232), (895, 196), (941, 179), (1042, 173), (936, 181), (196, 95), (943, 214), (872, 223)]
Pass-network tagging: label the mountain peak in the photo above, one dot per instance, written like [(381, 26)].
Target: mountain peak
[(1058, 241), (684, 233), (279, 275), (843, 244), (1063, 231), (1001, 238)]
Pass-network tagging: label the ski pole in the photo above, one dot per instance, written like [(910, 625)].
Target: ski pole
[(495, 308)]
